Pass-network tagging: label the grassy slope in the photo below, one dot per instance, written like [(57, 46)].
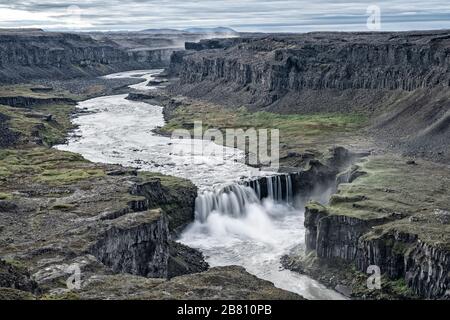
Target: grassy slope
[(30, 124), (298, 133), (392, 186), (28, 162)]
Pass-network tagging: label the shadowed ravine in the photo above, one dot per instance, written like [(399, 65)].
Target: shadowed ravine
[(233, 226)]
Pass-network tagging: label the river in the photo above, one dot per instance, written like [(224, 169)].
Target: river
[(232, 226)]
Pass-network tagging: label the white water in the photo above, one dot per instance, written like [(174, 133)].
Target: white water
[(232, 227), (119, 131)]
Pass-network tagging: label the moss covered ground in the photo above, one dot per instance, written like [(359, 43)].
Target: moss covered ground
[(298, 133), (415, 196)]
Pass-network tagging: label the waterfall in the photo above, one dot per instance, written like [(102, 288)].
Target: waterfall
[(233, 199), (279, 188), (230, 200), (279, 192), (270, 188), (289, 192)]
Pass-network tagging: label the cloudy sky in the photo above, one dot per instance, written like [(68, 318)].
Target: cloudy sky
[(242, 15)]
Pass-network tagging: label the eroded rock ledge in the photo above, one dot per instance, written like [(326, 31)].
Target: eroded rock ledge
[(117, 230), (395, 228), (35, 54), (275, 65), (116, 222)]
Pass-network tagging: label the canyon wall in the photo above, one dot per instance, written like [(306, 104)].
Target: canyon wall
[(271, 67), (34, 54), (399, 80), (400, 255)]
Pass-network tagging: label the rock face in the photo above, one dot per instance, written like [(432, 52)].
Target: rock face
[(136, 248), (411, 249), (178, 203), (16, 278), (273, 66), (140, 244), (398, 254), (395, 78), (334, 236), (7, 136), (139, 240), (34, 54), (26, 102), (401, 255)]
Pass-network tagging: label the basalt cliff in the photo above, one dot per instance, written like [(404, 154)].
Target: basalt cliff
[(27, 54), (400, 80)]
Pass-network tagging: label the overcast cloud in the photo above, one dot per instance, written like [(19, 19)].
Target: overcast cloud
[(242, 15)]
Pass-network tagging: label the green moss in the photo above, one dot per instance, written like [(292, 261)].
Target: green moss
[(43, 165), (401, 288), (67, 176), (296, 131), (167, 181), (24, 90), (56, 130), (21, 265), (14, 294), (32, 127), (63, 296), (316, 206), (5, 196), (339, 198)]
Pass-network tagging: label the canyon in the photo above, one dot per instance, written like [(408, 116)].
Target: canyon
[(33, 53), (393, 77), (364, 125), (399, 81)]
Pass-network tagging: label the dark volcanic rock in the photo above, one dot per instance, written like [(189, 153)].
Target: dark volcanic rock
[(401, 78), (178, 203), (140, 244), (219, 283), (185, 260), (277, 65), (7, 136), (136, 243), (16, 278), (23, 102), (34, 54)]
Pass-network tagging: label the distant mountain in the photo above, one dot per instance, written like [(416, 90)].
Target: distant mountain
[(211, 30), (21, 30), (162, 31), (217, 30)]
